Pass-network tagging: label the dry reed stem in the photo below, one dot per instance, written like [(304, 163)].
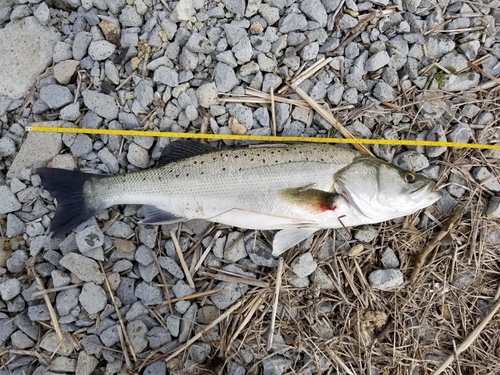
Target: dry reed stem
[(185, 268), (52, 312), (206, 329), (118, 314), (275, 303), (236, 279), (447, 227), (273, 112), (124, 347), (469, 340), (328, 117), (192, 296)]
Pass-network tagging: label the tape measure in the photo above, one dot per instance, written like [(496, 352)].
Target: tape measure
[(260, 138)]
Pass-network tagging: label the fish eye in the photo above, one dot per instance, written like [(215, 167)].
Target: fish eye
[(409, 177)]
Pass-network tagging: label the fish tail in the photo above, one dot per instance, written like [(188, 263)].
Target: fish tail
[(71, 189)]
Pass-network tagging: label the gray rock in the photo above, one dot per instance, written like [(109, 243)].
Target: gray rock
[(138, 156), (110, 336), (436, 134), (386, 280), (100, 50), (173, 325), (384, 92), (271, 80), (260, 253), (65, 70), (70, 112), (275, 365), (144, 255), (84, 268), (303, 265), (199, 44), (366, 234), (89, 238), (67, 300), (235, 6), (183, 11), (225, 78), (199, 351), (17, 261), (493, 209), (347, 22), (26, 37), (231, 292), (104, 105), (81, 146), (144, 93), (137, 332), (109, 160), (460, 82), (111, 72), (171, 266), (310, 52), (292, 22), (56, 96), (158, 336), (447, 203), (156, 368), (42, 14), (119, 230), (243, 50), (9, 289), (377, 61), (20, 340), (486, 178), (269, 13), (315, 11), (207, 94), (411, 160), (81, 44), (7, 147), (39, 312), (389, 258), (439, 45), (149, 295), (92, 298), (235, 247), (129, 17), (167, 76), (9, 201), (188, 60), (86, 364), (7, 328), (15, 226), (62, 51), (470, 49), (188, 319)]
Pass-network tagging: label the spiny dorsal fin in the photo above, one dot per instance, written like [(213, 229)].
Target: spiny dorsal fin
[(316, 200), (183, 149)]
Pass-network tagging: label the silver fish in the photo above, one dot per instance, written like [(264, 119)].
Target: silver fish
[(298, 189)]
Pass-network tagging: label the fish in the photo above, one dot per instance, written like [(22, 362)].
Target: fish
[(297, 189)]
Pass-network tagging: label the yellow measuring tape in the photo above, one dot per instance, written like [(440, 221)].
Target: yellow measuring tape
[(260, 138)]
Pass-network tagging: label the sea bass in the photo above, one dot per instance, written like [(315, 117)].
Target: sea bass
[(297, 189)]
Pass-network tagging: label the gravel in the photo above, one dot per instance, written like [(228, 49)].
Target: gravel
[(139, 65)]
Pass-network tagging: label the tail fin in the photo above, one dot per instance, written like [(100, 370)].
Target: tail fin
[(73, 207)]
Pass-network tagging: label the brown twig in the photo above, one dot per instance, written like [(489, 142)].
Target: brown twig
[(275, 303), (447, 227), (185, 268)]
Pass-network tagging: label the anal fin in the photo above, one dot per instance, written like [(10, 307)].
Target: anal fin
[(155, 215), (286, 238)]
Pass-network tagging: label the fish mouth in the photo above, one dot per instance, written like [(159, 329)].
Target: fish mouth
[(426, 194)]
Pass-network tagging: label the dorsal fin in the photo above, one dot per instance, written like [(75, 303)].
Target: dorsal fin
[(182, 149)]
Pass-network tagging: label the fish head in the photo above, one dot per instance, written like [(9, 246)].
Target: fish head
[(381, 191)]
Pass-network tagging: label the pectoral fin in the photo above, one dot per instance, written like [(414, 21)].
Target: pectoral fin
[(286, 238), (314, 199), (155, 215)]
